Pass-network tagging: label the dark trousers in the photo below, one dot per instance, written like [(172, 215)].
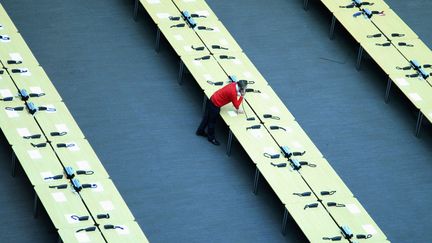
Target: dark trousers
[(209, 119)]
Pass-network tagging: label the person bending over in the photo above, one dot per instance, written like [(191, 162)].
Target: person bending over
[(233, 92)]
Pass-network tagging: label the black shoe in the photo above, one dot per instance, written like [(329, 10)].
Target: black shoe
[(214, 141), (201, 133)]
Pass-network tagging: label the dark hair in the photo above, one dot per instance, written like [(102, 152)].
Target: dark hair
[(242, 84)]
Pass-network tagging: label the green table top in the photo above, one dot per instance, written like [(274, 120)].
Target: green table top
[(218, 35), (229, 113), (80, 157), (391, 23), (38, 163), (61, 204), (105, 199), (355, 217), (70, 235), (60, 120), (130, 231), (315, 223), (6, 24), (417, 90), (16, 49), (161, 10), (180, 38)]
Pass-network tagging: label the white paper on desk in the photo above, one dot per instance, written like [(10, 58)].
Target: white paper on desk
[(274, 109), (232, 113), (99, 187), (401, 82), (256, 133), (124, 231), (83, 165), (270, 150), (352, 208), (73, 148), (52, 107), (27, 73), (197, 63), (46, 174), (61, 128), (265, 96), (12, 114), (36, 90), (5, 93), (59, 196), (247, 74), (107, 205), (2, 40), (208, 77), (415, 96), (178, 37), (215, 29), (203, 13), (369, 229), (16, 56), (34, 154), (237, 61), (187, 48), (82, 236), (163, 15), (153, 1), (70, 219), (23, 132), (297, 145), (223, 42)]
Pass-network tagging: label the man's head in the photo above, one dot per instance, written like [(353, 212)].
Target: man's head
[(242, 84)]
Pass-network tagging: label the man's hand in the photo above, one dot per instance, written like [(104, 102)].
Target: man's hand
[(240, 111)]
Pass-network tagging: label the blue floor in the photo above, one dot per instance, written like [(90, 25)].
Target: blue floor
[(179, 187)]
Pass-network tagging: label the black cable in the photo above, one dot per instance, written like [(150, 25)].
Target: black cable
[(271, 156), (279, 165), (85, 172), (174, 18), (335, 238), (405, 44), (311, 205), (253, 127), (307, 164), (64, 145), (62, 186), (325, 193), (383, 44), (7, 98), (302, 194), (39, 145), (219, 47), (271, 116), (277, 128), (202, 58), (205, 28), (226, 57), (18, 108), (374, 36), (199, 48), (218, 83), (88, 229), (333, 204), (178, 25), (35, 136), (362, 236), (54, 134)]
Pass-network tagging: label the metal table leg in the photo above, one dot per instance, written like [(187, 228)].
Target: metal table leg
[(35, 206), (158, 33), (204, 102), (419, 123), (230, 138), (387, 94), (284, 221), (136, 9), (332, 27), (256, 180), (14, 160), (305, 4), (181, 71), (359, 57)]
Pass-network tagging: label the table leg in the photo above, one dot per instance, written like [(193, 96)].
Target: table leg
[(14, 160), (284, 221), (230, 138), (387, 94), (59, 239), (332, 27), (419, 123), (204, 102), (359, 57), (305, 4), (181, 71), (158, 37), (35, 206), (136, 5), (256, 180)]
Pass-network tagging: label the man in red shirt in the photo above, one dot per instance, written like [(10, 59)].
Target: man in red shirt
[(223, 96)]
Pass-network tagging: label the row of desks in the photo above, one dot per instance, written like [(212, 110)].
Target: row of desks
[(392, 44), (265, 125), (47, 142)]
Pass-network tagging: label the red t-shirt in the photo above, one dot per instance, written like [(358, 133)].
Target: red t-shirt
[(226, 95)]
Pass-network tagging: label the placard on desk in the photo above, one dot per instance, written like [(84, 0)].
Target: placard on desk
[(130, 231), (161, 10), (105, 199), (315, 223), (62, 204), (391, 23), (70, 235), (182, 39), (16, 50), (38, 163), (81, 156), (205, 70), (35, 80), (387, 57), (215, 33), (58, 121), (239, 65), (6, 24), (356, 218)]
